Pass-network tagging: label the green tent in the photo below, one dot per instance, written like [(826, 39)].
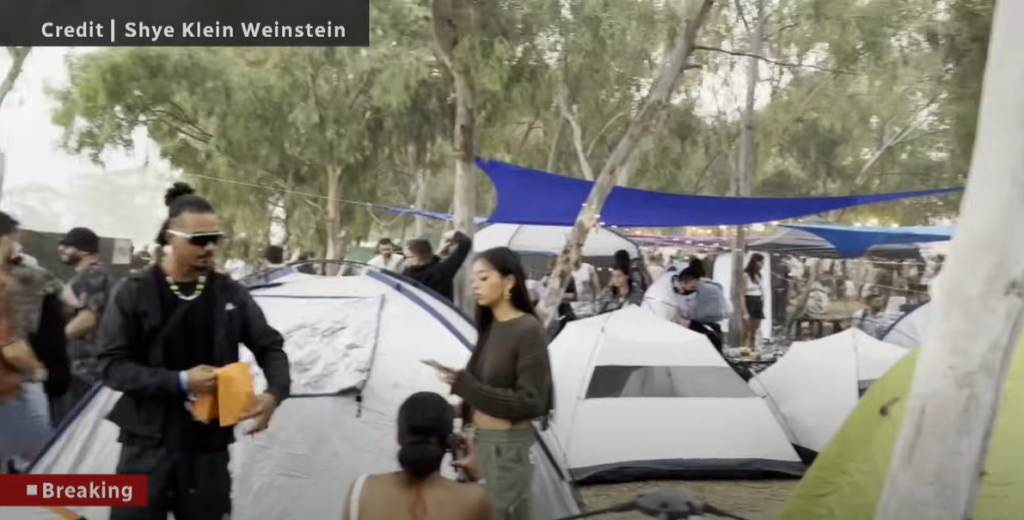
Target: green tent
[(845, 482)]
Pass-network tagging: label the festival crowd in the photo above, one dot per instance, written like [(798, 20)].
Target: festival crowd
[(159, 334)]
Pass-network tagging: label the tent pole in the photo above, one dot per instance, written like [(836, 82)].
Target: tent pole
[(939, 458)]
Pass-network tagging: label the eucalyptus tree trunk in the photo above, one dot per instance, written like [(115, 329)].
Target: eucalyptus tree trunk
[(18, 56), (743, 176), (658, 97), (451, 25), (957, 389)]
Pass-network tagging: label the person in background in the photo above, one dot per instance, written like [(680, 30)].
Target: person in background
[(871, 319), (753, 300), (430, 270), (273, 257), (386, 257), (564, 313), (705, 309), (637, 271), (507, 382), (621, 292), (585, 280), (418, 491), (654, 267), (24, 410), (48, 340), (91, 286), (161, 338)]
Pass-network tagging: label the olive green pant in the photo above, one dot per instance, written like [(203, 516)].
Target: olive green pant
[(506, 465)]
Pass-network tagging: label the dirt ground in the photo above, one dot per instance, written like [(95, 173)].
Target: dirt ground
[(754, 499)]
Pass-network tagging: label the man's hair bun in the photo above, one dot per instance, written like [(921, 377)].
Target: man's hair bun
[(179, 189)]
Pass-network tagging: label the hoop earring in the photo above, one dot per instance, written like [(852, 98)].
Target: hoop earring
[(508, 294)]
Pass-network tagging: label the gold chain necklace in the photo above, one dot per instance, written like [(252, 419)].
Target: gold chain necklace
[(176, 289)]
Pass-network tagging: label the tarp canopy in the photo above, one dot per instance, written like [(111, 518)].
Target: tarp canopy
[(562, 197), (854, 241), (789, 241)]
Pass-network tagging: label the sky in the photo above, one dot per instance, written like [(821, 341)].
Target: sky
[(43, 184), (49, 189)]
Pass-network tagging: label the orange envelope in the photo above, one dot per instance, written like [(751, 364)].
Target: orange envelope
[(234, 397), (204, 409), (234, 393)]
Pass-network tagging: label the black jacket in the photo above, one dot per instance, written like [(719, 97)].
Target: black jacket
[(51, 346), (130, 360), (439, 274)]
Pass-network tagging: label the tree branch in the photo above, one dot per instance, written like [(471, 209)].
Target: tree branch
[(18, 57), (741, 54), (607, 125), (570, 115)]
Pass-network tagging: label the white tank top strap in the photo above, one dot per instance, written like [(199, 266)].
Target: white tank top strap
[(353, 501)]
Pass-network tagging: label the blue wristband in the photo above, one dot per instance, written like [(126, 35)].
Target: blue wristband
[(183, 381)]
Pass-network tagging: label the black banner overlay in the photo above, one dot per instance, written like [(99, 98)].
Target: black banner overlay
[(205, 23)]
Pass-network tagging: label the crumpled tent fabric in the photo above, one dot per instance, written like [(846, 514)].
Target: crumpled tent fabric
[(518, 202), (854, 241), (346, 337), (908, 330), (846, 480)]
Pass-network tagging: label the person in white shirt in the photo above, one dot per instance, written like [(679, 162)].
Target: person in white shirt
[(661, 297), (753, 300), (587, 287), (872, 319), (387, 259)]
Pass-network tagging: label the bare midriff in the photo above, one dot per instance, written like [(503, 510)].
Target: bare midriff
[(487, 422)]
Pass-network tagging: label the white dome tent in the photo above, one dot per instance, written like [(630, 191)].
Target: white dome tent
[(355, 344), (816, 384), (639, 398), (909, 329), (550, 239)]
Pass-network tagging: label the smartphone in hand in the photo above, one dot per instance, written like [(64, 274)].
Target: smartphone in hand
[(435, 365), (455, 447)]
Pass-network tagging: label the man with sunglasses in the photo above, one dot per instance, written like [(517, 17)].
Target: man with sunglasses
[(162, 336)]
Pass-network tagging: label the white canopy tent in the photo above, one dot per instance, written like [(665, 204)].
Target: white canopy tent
[(639, 398), (355, 344), (816, 384), (909, 329), (550, 239)]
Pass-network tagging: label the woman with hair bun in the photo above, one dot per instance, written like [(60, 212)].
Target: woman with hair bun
[(418, 491)]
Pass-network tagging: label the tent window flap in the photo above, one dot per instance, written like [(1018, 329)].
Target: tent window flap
[(666, 381)]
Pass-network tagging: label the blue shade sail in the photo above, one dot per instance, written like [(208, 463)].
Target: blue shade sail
[(853, 242), (534, 197)]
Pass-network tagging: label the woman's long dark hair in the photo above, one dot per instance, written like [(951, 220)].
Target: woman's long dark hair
[(753, 268), (424, 427), (507, 263), (624, 269)]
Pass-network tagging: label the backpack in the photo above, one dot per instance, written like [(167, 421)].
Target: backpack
[(710, 308)]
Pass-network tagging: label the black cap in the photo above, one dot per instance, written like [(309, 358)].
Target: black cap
[(83, 239)]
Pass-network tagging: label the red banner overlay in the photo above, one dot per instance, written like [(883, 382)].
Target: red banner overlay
[(72, 490)]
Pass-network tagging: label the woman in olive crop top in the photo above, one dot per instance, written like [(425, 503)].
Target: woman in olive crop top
[(507, 382)]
